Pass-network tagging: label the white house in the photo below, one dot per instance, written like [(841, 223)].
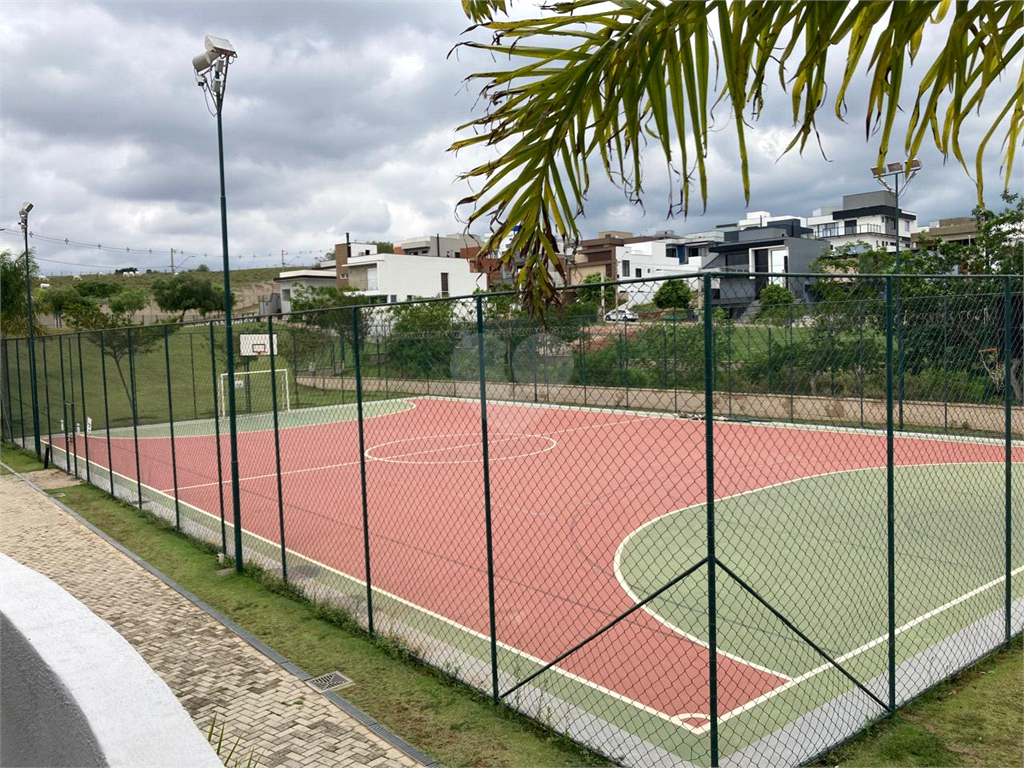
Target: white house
[(288, 282), (666, 254), (871, 217), (402, 277)]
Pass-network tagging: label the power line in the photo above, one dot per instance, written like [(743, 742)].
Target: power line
[(73, 243)]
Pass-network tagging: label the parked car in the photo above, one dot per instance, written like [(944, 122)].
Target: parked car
[(619, 315)]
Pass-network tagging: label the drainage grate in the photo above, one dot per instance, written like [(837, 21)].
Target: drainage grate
[(328, 682)]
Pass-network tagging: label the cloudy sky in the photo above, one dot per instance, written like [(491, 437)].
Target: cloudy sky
[(337, 119)]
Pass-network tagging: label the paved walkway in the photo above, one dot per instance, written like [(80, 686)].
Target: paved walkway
[(211, 670)]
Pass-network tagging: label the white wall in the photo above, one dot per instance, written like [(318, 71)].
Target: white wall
[(401, 276), (651, 259), (287, 285)]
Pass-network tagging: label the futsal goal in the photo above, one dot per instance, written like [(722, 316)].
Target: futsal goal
[(254, 393)]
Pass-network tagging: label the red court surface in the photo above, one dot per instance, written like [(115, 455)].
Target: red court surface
[(568, 486)]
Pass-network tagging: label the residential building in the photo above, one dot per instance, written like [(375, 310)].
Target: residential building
[(596, 256), (440, 246), (785, 245), (287, 283), (871, 217), (402, 277), (960, 230), (664, 254)]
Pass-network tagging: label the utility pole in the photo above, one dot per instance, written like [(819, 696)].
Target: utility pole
[(172, 262), (282, 259)]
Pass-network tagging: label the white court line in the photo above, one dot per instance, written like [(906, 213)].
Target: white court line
[(367, 454), (857, 651), (824, 667), (444, 619), (514, 436)]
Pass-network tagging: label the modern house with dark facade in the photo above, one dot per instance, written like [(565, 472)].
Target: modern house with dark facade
[(751, 254)]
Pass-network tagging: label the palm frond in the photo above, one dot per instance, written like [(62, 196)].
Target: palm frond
[(599, 84)]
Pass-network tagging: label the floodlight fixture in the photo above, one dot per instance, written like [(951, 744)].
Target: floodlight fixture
[(219, 45), (24, 212)]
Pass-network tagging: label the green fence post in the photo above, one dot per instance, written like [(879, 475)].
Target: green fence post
[(675, 364), (487, 495), (71, 379), (583, 368), (792, 371), (770, 361), (85, 411), (135, 417), (625, 358), (728, 352), (709, 454), (192, 360), (945, 350), (277, 443), (890, 489), (216, 433), (74, 434), (21, 396), (170, 415), (860, 361), (1008, 405), (362, 466), (64, 406), (901, 334), (7, 390), (664, 357), (106, 411), (46, 388)]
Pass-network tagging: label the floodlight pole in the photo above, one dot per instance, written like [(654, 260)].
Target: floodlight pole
[(31, 334), (220, 59)]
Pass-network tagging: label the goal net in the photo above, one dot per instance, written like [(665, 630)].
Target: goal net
[(254, 393)]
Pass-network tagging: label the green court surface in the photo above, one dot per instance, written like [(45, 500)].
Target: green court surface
[(816, 550)]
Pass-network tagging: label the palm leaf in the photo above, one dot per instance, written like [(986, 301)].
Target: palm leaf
[(593, 81)]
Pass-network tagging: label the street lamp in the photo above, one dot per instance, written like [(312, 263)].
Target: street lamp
[(893, 171), (31, 331), (211, 68)]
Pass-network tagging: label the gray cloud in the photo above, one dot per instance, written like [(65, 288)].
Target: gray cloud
[(338, 117)]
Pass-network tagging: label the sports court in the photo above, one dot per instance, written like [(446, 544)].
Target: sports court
[(592, 511)]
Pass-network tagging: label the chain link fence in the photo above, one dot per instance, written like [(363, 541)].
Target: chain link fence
[(711, 526)]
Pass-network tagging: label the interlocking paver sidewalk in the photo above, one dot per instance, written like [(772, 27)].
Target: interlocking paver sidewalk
[(211, 670)]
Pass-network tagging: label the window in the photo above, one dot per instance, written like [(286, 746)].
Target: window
[(625, 268), (286, 294), (850, 227), (639, 272), (393, 299), (444, 283)]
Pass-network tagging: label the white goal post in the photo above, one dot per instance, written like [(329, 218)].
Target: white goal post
[(243, 380)]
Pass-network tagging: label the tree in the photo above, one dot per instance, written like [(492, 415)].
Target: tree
[(127, 303), (776, 304), (97, 289), (119, 337), (674, 294), (383, 246), (188, 291), (601, 85), (13, 301), (588, 293), (56, 301)]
